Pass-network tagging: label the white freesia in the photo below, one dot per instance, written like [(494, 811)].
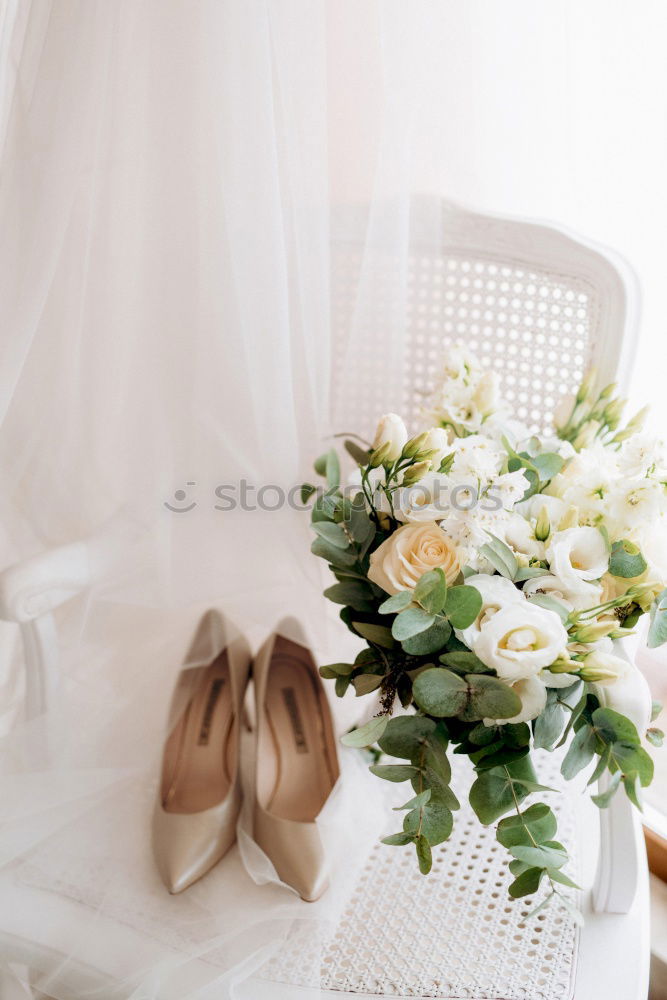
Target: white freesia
[(533, 695), (496, 593), (520, 640), (577, 554), (404, 557), (391, 431)]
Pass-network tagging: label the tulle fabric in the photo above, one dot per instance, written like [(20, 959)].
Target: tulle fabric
[(177, 177)]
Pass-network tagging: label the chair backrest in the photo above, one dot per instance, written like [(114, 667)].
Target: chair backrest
[(533, 302)]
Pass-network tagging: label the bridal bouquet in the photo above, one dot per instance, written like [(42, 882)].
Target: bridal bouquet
[(490, 573)]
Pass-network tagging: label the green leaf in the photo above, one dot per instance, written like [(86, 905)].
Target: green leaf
[(549, 725), (580, 752), (367, 734), (405, 734), (424, 856), (398, 839), (500, 556), (320, 464), (526, 884), (436, 822), (537, 821), (342, 684), (633, 761), (332, 469), (603, 799), (410, 622), (338, 669), (333, 533), (614, 727), (439, 692), (656, 737), (360, 524), (550, 604), (431, 591), (307, 490), (395, 603), (543, 856), (626, 560), (431, 640), (558, 876), (393, 772), (360, 455), (656, 709), (333, 554), (464, 662), (491, 698), (353, 593), (491, 793), (416, 802), (547, 465), (462, 606), (657, 633), (378, 634), (632, 785), (365, 683)]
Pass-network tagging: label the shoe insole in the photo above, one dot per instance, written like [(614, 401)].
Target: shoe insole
[(199, 753), (303, 755)]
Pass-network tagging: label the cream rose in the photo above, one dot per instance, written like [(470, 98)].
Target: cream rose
[(390, 431), (401, 560), (533, 696), (520, 640), (496, 592)]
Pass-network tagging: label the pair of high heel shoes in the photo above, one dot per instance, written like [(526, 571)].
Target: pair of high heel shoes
[(296, 766)]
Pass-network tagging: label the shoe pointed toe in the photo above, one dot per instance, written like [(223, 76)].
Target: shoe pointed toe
[(187, 845)]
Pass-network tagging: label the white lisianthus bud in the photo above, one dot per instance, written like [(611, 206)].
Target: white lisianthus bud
[(586, 385), (437, 445), (415, 445), (390, 431), (415, 472), (593, 632), (380, 455), (484, 396), (543, 526), (563, 412), (636, 424), (603, 668)]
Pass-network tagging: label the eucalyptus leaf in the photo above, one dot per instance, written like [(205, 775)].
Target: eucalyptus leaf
[(378, 634), (491, 698), (367, 734), (360, 455), (411, 622), (500, 556), (463, 662), (351, 592), (424, 855), (550, 604), (493, 792), (439, 692), (338, 669), (415, 803), (543, 856), (526, 884), (538, 822), (603, 799), (431, 640), (435, 819), (657, 633), (365, 683), (462, 606), (393, 772), (626, 560), (405, 734), (547, 465), (333, 533), (332, 469), (431, 591), (398, 839), (395, 603), (332, 553), (580, 752)]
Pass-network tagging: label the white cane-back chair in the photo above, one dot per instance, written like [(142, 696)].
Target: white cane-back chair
[(538, 306)]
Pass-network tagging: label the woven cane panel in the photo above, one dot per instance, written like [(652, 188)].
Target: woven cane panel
[(452, 934), (535, 329)]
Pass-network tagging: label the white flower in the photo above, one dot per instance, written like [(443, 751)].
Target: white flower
[(391, 431), (577, 554), (533, 507), (509, 488), (636, 502), (427, 500), (477, 457), (486, 393), (403, 558), (629, 695), (563, 411), (581, 596), (520, 536), (533, 695), (520, 639), (496, 592), (641, 453), (610, 667), (437, 440)]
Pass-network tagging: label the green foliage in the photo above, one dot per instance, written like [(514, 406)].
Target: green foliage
[(411, 622), (501, 557), (462, 606), (495, 792), (657, 633), (443, 693), (431, 640), (431, 591), (365, 735), (397, 602), (626, 560)]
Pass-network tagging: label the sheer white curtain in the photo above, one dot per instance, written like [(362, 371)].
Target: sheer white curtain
[(170, 174)]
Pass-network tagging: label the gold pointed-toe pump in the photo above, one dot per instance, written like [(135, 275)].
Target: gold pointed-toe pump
[(199, 799), (297, 764)]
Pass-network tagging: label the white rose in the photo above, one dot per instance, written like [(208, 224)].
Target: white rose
[(391, 430), (437, 440), (404, 557), (583, 595), (496, 592), (577, 554), (533, 696), (520, 640)]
